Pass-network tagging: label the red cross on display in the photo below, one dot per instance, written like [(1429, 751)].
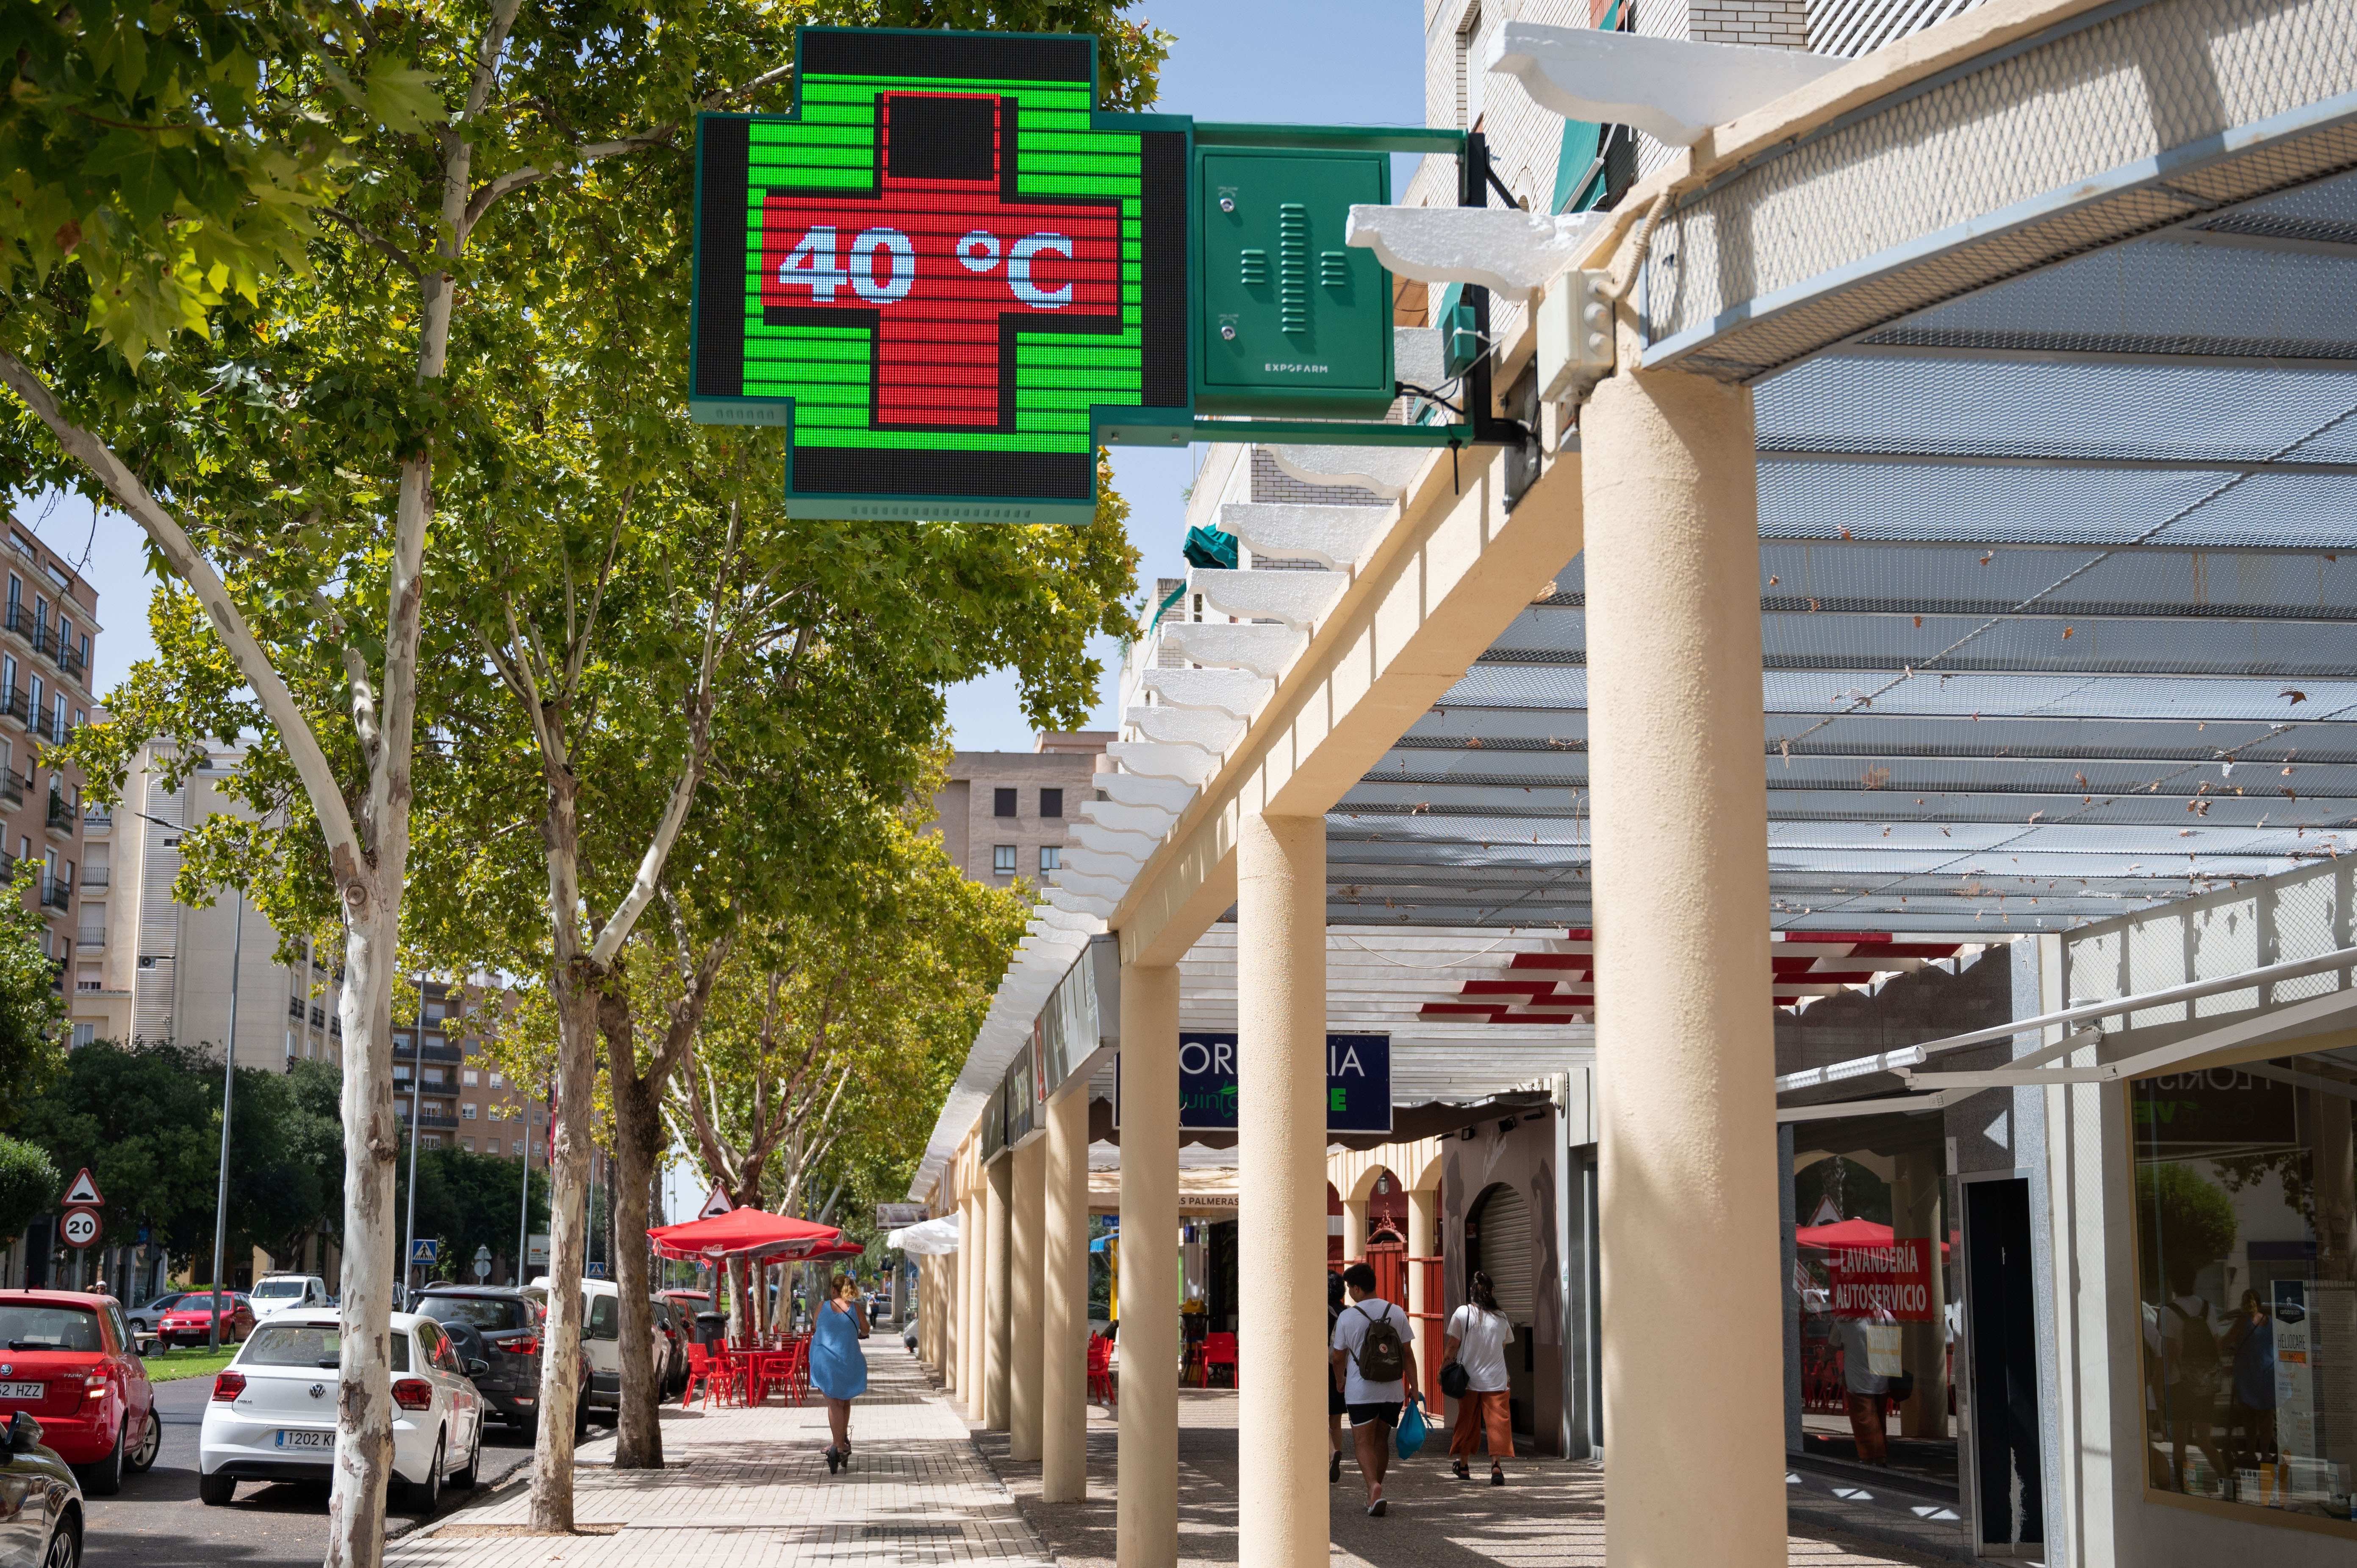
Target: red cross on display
[(944, 258)]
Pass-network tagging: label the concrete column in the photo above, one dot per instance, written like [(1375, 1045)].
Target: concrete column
[(1145, 1486), (1026, 1320), (1064, 1346), (1355, 1218), (975, 1260), (1685, 1059), (1281, 1186), (997, 1293)]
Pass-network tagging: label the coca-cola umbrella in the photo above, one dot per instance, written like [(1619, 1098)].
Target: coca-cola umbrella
[(844, 1248), (747, 1233)]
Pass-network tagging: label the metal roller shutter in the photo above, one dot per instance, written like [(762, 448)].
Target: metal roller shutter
[(1505, 1252)]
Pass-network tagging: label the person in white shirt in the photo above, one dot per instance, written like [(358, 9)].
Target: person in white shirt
[(1475, 1340), (1372, 1391)]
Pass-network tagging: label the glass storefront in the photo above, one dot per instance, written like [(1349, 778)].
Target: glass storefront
[(1873, 1287), (2245, 1196)]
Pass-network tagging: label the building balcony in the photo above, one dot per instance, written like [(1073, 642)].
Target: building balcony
[(97, 876), (62, 817), (427, 1116), (433, 1052), (91, 941), (97, 819), (15, 704), (56, 893)]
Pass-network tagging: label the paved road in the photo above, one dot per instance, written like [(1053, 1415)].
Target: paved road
[(156, 1519)]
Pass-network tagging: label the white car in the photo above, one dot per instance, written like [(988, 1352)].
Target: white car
[(273, 1414), (283, 1293)]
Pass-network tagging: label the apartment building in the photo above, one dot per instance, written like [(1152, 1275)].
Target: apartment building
[(152, 970), (1004, 814), (50, 623)]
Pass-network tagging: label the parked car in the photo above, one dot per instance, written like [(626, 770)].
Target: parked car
[(67, 1360), (143, 1319), (191, 1321), (273, 1414), (40, 1504), (601, 1334), (670, 1362), (276, 1292), (502, 1328)]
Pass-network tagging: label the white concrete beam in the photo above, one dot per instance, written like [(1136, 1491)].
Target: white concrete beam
[(1384, 472), (1340, 537), (1265, 651), (1298, 598), (1239, 693), (1673, 89), (1512, 252), (1207, 729)]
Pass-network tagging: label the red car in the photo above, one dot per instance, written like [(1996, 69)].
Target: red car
[(66, 1358), (191, 1322)]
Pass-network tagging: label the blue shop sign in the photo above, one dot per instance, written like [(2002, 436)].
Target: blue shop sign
[(1357, 1082)]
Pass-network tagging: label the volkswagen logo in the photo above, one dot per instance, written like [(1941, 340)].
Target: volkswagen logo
[(318, 1391)]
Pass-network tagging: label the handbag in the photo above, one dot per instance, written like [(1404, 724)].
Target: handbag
[(1412, 1427), (1900, 1388), (1454, 1380)]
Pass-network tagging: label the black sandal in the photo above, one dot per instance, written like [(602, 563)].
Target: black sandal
[(1462, 1473), (1497, 1476), (833, 1460)]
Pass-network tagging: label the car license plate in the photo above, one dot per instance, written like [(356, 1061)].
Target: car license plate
[(21, 1390), (306, 1440)]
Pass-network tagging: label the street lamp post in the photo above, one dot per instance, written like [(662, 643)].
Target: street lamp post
[(229, 1093)]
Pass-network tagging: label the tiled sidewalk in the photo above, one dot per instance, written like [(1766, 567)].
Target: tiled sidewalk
[(750, 1490), (1550, 1515)]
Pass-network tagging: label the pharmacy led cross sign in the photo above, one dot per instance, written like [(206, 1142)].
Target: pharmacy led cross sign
[(947, 273)]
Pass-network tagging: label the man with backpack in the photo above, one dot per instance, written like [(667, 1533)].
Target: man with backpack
[(1374, 1364)]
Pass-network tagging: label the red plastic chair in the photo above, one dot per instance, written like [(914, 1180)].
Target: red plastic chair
[(707, 1372), (1100, 1369), (1219, 1350)]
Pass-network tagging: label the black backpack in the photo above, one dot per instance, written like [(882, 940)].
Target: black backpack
[(1382, 1355)]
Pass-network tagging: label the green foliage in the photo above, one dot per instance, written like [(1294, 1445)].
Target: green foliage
[(838, 1029), (2184, 1224), (30, 1184), (147, 1123), (32, 1011), (168, 158), (467, 1200)]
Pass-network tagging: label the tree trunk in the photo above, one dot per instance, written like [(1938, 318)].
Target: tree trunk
[(637, 1139), (364, 1381), (568, 1238)]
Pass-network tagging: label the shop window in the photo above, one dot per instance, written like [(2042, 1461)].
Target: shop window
[(2246, 1202)]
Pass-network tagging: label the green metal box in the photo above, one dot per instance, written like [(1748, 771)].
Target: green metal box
[(1289, 319)]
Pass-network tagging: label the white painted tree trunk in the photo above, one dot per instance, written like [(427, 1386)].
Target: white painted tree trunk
[(364, 1402)]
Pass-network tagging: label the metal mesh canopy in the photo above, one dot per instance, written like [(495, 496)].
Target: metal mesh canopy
[(2058, 587)]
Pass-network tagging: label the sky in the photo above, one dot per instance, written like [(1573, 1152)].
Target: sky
[(1306, 61)]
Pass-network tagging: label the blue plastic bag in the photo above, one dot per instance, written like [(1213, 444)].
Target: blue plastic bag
[(1412, 1427)]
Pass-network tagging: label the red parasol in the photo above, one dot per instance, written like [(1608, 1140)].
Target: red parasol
[(743, 1233), (841, 1249), (1844, 1233), (1852, 1233)]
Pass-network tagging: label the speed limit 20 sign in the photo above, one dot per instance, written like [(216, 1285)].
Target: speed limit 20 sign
[(79, 1227)]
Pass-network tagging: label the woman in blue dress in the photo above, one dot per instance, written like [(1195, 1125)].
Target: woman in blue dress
[(839, 1370)]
